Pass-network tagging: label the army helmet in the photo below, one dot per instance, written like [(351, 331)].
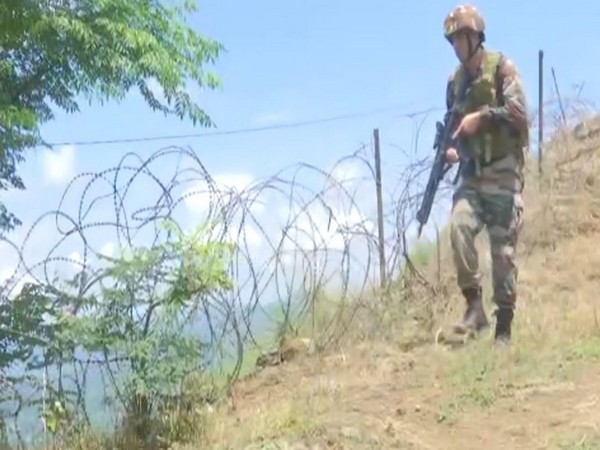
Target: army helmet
[(464, 17)]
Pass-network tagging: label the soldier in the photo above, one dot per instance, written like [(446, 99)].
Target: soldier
[(491, 133)]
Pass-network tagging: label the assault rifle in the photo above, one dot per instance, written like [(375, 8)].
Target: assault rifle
[(442, 141), (439, 169)]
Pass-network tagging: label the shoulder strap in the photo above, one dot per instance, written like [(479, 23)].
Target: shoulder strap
[(499, 79), (461, 82)]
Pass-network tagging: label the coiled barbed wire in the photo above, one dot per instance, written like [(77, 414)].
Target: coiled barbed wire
[(306, 239)]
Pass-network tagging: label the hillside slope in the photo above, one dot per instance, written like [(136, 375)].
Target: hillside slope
[(398, 390)]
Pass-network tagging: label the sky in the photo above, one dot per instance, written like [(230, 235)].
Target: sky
[(289, 63)]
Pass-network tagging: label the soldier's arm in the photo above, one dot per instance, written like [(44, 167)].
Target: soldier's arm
[(514, 110)]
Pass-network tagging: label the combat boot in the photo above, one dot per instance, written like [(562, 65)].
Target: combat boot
[(503, 326), (474, 318)]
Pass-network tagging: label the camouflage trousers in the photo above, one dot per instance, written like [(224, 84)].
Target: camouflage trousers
[(492, 201)]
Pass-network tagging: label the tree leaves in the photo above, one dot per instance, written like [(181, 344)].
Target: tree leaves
[(53, 53)]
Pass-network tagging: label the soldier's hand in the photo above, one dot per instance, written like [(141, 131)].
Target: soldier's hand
[(452, 155), (468, 125)]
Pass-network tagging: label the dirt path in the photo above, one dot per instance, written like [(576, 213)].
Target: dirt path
[(382, 398)]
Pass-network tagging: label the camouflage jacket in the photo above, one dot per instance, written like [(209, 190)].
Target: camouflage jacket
[(498, 93)]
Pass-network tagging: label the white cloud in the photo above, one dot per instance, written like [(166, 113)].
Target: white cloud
[(315, 228), (107, 249), (346, 172), (59, 166), (252, 236), (234, 181), (18, 287), (13, 281), (6, 273), (156, 89), (198, 197), (249, 236), (76, 260)]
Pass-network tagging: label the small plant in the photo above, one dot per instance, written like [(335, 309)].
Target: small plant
[(145, 320), (139, 320)]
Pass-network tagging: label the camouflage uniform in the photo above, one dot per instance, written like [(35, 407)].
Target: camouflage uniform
[(490, 193)]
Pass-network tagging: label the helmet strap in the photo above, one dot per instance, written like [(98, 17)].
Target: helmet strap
[(473, 49)]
